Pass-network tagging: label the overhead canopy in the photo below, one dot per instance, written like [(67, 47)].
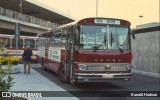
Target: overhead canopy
[(37, 9)]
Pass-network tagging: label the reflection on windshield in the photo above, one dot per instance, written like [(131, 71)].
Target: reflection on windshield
[(118, 37), (92, 36)]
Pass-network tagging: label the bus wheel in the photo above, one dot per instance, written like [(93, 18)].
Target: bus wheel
[(61, 73)]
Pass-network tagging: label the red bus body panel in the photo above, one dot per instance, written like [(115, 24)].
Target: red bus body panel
[(103, 56)]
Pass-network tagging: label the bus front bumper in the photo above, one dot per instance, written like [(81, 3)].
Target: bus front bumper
[(84, 77)]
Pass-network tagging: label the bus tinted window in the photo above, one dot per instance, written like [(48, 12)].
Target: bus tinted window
[(57, 38), (7, 43), (64, 36), (20, 43), (13, 42), (111, 37), (93, 35), (30, 43), (118, 37)]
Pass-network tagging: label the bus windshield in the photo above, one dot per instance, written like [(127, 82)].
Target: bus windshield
[(104, 37)]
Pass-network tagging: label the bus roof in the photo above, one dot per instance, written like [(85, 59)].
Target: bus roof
[(95, 20)]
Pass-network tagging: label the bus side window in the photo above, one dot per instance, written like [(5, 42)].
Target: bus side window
[(57, 38), (7, 43), (43, 40), (64, 37), (52, 40), (68, 34), (46, 44), (29, 42), (49, 38)]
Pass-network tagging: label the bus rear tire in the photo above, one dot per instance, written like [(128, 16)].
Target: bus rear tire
[(61, 73)]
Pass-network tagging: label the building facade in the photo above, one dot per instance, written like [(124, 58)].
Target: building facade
[(146, 49)]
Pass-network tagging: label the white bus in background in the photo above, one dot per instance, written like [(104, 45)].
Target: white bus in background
[(9, 42)]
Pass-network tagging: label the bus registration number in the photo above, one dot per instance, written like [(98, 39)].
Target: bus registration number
[(107, 76)]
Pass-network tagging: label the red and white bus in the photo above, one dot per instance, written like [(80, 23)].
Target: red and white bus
[(9, 42), (88, 50)]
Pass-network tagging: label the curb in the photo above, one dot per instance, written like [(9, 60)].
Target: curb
[(150, 74), (16, 69)]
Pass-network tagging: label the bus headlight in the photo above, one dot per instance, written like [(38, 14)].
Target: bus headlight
[(83, 66), (128, 67)]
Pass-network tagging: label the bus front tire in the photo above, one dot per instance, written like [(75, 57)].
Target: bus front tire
[(61, 73)]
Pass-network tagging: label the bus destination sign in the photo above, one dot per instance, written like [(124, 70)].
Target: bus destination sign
[(107, 21)]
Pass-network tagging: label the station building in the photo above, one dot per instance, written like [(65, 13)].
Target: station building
[(32, 17)]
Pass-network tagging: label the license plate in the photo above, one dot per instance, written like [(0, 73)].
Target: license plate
[(107, 76)]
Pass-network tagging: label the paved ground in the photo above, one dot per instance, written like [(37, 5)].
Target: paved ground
[(48, 83), (36, 82)]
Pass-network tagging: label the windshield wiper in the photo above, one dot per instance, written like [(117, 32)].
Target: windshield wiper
[(111, 39), (96, 47), (105, 39), (120, 47)]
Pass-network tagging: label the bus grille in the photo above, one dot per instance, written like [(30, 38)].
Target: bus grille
[(104, 68)]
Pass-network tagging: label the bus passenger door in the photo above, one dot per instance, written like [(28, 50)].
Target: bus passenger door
[(69, 54)]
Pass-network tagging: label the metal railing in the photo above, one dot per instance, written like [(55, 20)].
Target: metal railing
[(26, 18)]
